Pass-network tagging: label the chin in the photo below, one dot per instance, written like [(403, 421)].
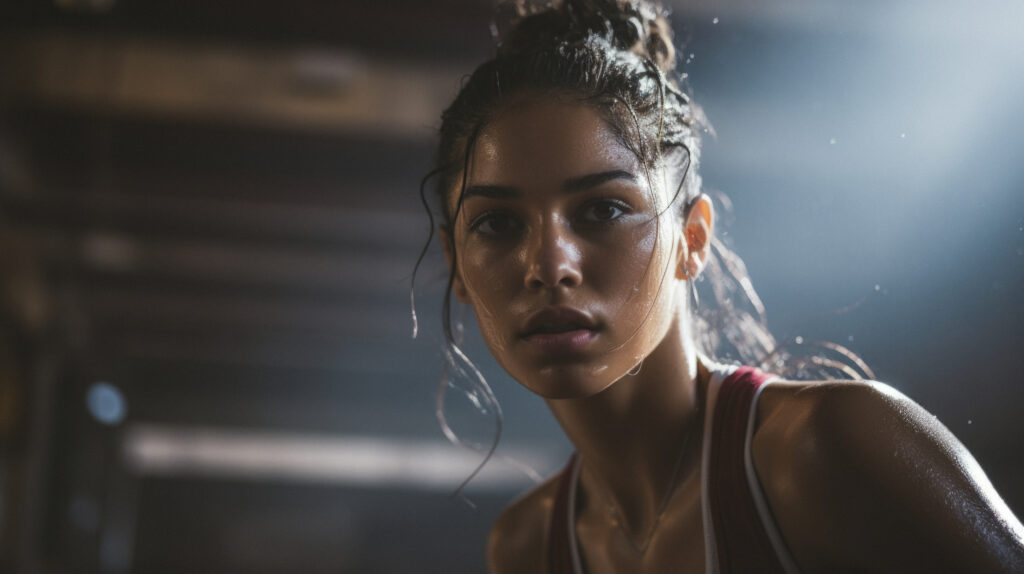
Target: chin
[(577, 381)]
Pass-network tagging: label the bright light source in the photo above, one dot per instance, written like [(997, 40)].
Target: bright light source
[(357, 461), (106, 403)]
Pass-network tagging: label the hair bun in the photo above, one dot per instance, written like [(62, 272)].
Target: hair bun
[(637, 26), (628, 30)]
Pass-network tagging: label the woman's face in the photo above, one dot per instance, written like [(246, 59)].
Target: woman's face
[(561, 252)]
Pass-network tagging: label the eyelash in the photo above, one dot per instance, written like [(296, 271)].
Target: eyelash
[(485, 217), (622, 207)]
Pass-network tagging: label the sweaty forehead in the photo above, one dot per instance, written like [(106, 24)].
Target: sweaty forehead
[(547, 141)]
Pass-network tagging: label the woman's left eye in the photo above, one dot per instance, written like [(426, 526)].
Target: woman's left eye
[(603, 211)]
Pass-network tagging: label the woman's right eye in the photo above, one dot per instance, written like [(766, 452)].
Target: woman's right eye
[(495, 224)]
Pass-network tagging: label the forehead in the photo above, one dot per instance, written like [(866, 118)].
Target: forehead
[(547, 140)]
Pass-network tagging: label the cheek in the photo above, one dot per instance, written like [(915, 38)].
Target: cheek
[(641, 287), (490, 276), (628, 268)]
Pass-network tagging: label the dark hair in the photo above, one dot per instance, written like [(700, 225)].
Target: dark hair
[(618, 57)]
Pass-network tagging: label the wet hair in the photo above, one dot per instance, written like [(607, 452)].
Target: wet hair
[(617, 56)]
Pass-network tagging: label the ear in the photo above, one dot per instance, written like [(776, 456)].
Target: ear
[(695, 244), (458, 287)]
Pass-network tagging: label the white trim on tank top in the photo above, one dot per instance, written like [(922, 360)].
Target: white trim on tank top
[(718, 374)]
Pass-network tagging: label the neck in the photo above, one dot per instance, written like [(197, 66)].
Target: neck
[(639, 438)]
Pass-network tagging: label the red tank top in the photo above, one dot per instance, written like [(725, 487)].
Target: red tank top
[(741, 541)]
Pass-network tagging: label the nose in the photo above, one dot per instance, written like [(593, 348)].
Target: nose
[(553, 258)]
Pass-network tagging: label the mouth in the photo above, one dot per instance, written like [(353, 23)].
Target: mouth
[(555, 328), (557, 320), (560, 329)]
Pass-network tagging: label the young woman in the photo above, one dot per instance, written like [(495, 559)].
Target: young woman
[(574, 226)]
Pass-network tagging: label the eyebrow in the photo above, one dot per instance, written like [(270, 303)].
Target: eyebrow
[(572, 185)]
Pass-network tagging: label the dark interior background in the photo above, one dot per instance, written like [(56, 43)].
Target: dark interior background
[(209, 216)]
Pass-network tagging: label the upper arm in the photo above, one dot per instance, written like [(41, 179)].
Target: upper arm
[(516, 541), (859, 477)]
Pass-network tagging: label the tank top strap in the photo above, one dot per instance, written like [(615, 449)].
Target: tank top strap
[(739, 530), (745, 536)]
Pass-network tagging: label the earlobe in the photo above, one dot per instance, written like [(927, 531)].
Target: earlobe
[(458, 287), (682, 271)]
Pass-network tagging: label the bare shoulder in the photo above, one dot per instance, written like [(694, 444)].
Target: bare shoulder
[(861, 478), (516, 542)]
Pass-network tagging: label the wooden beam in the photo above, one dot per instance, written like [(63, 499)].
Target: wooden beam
[(227, 263), (266, 348), (317, 90), (124, 309), (150, 215)]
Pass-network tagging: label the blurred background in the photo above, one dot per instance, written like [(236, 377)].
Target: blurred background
[(209, 216)]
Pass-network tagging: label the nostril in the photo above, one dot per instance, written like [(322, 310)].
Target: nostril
[(555, 276), (569, 276)]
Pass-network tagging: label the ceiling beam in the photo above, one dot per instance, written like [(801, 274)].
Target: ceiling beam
[(150, 215), (318, 90), (235, 263), (278, 349), (148, 309)]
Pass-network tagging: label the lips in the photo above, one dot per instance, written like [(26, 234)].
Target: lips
[(560, 331), (558, 320)]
